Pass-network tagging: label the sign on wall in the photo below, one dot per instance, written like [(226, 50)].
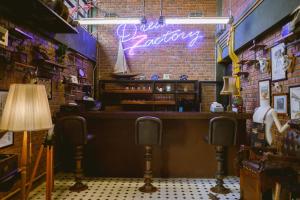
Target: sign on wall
[(153, 34)]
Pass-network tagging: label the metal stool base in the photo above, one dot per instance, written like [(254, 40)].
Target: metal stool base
[(78, 187), (148, 188), (220, 189)]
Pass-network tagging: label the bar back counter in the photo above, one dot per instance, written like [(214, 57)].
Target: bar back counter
[(183, 153)]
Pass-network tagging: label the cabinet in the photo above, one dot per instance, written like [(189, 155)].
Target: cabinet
[(160, 95)]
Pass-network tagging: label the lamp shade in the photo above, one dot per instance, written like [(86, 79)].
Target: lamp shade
[(229, 86), (26, 109)]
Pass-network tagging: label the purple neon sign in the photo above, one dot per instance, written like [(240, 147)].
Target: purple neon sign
[(135, 37)]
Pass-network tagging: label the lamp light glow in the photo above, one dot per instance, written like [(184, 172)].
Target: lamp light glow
[(198, 20), (109, 20)]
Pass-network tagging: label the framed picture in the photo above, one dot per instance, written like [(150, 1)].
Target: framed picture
[(294, 101), (6, 139), (280, 103), (3, 96), (264, 91), (48, 85), (277, 62)]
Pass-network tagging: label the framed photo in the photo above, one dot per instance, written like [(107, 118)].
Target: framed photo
[(294, 101), (264, 91), (277, 57), (6, 139), (3, 96), (280, 103), (48, 85)]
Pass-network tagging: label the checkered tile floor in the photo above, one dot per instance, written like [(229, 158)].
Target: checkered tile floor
[(127, 189)]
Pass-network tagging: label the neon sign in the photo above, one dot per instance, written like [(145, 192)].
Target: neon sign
[(134, 37)]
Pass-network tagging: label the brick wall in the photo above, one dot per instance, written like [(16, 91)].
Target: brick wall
[(174, 58), (238, 7), (61, 93), (250, 85)]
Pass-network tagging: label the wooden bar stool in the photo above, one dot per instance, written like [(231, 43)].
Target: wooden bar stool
[(222, 133), (148, 132), (73, 133)]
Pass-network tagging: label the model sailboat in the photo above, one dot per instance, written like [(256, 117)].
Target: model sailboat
[(121, 69)]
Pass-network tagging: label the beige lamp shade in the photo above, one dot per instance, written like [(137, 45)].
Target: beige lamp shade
[(229, 86), (26, 109)]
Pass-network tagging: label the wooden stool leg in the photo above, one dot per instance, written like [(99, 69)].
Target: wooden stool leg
[(148, 187), (277, 191), (78, 186), (219, 187)]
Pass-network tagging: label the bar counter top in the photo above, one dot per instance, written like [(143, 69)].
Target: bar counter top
[(164, 115)]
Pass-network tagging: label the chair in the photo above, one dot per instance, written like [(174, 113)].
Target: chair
[(73, 132), (222, 133), (148, 132)]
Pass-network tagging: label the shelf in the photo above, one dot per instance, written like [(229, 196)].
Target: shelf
[(36, 14), (188, 92), (157, 92), (257, 47), (49, 62), (245, 74), (289, 38), (251, 62), (247, 62), (129, 91), (139, 102), (25, 66)]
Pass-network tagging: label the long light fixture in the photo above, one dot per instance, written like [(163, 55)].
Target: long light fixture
[(197, 20), (109, 20)]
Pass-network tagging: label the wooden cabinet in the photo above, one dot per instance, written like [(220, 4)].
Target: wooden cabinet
[(160, 95)]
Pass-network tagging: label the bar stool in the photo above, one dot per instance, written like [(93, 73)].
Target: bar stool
[(73, 132), (148, 132), (222, 133)]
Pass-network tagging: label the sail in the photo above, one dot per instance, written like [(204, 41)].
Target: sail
[(121, 64)]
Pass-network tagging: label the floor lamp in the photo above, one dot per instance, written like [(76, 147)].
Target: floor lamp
[(26, 109)]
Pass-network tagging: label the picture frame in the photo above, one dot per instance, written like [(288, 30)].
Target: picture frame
[(264, 91), (278, 71), (294, 93), (280, 103), (6, 139), (3, 96), (48, 85)]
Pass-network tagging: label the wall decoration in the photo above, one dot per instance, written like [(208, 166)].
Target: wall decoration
[(280, 103), (264, 89), (294, 101), (278, 62), (3, 36), (154, 34), (73, 79), (7, 139), (3, 96), (48, 85)]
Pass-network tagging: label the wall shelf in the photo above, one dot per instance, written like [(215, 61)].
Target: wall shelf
[(42, 62), (244, 74), (36, 14), (140, 102)]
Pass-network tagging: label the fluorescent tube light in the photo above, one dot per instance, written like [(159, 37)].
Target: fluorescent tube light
[(198, 20), (109, 20)]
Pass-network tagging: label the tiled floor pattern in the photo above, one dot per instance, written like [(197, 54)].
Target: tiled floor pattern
[(127, 189)]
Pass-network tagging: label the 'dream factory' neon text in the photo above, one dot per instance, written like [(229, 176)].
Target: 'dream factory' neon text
[(134, 37)]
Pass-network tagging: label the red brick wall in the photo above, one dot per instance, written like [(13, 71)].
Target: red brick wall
[(174, 58), (59, 90), (237, 7)]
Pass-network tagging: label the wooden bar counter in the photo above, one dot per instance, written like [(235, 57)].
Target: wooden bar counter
[(184, 152)]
